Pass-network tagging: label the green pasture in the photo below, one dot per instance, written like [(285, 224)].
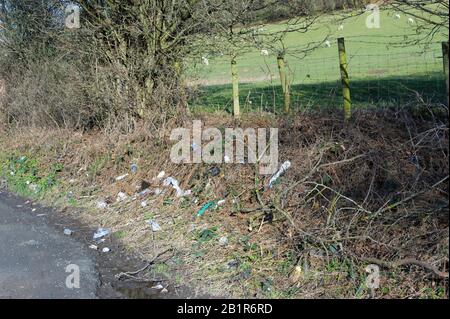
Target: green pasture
[(385, 68)]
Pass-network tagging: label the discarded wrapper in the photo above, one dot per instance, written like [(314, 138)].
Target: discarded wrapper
[(154, 225), (122, 177), (205, 207)]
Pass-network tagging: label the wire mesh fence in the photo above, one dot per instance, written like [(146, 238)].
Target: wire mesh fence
[(392, 75)]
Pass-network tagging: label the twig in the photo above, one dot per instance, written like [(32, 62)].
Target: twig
[(382, 210), (405, 262), (131, 274)]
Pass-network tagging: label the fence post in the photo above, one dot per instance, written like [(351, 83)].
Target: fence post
[(446, 71), (235, 81), (284, 83), (345, 79)]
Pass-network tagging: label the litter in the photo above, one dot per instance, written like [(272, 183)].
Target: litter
[(221, 202), (154, 225), (161, 175), (122, 177), (121, 197), (187, 193), (134, 168), (170, 181), (286, 165), (101, 232), (68, 232), (223, 241), (144, 204), (296, 274), (41, 215), (158, 191), (106, 250), (227, 159), (233, 264), (22, 159), (144, 192), (94, 247), (102, 204), (159, 286), (164, 291), (215, 171), (205, 207)]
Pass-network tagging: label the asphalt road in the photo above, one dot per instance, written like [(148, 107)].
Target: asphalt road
[(34, 256)]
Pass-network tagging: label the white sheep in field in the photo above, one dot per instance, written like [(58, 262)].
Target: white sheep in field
[(328, 44), (264, 52), (411, 21), (397, 16), (341, 28), (205, 60)]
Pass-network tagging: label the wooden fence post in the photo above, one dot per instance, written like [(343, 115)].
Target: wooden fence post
[(345, 79), (235, 81), (446, 71), (284, 83), (3, 116)]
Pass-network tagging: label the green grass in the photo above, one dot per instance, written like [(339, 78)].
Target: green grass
[(24, 178), (381, 73)]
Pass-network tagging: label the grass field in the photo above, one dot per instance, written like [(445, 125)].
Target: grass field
[(384, 70)]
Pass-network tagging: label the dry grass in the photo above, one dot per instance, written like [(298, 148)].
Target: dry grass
[(368, 189)]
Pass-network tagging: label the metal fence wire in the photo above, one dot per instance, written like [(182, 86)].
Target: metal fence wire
[(394, 77)]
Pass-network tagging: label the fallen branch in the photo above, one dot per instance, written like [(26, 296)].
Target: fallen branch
[(131, 274), (405, 262)]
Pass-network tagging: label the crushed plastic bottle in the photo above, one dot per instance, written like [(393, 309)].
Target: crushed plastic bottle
[(286, 165), (101, 232)]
